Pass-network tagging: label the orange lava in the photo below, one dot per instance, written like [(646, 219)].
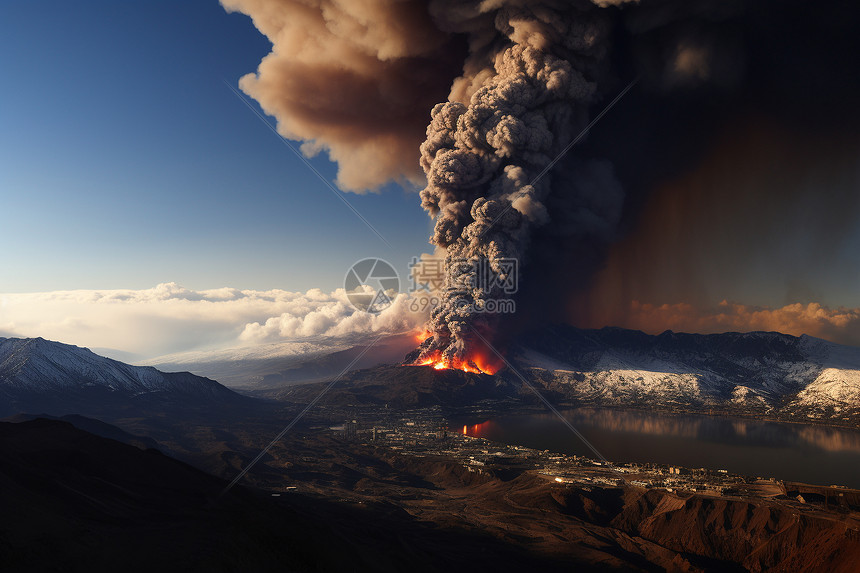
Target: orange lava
[(422, 336), (475, 365), (481, 359), (476, 430)]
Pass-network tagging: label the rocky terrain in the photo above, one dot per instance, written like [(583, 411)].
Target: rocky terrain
[(85, 503), (100, 505), (321, 501)]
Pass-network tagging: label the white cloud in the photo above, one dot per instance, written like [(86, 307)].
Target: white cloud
[(332, 316), (170, 318)]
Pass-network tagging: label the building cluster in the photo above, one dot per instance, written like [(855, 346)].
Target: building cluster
[(426, 432)]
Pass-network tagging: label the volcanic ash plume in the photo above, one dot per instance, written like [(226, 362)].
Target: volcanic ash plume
[(486, 162), (357, 79), (354, 79)]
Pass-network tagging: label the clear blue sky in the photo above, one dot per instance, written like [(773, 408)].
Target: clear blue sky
[(125, 161)]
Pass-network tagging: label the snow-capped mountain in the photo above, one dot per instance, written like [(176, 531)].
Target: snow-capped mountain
[(762, 373), (37, 373)]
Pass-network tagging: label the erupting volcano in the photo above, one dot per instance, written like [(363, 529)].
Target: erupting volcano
[(528, 83), (481, 103), (479, 360)]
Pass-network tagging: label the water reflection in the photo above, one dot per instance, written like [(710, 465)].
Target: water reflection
[(788, 451), (482, 430)]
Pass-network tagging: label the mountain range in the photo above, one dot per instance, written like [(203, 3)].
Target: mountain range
[(756, 373), (761, 374), (37, 375)]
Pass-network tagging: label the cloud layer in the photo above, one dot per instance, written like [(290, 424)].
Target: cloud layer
[(169, 318)]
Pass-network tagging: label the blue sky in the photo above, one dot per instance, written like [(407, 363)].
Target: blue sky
[(125, 161)]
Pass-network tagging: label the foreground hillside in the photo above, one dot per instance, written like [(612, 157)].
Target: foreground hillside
[(73, 501)]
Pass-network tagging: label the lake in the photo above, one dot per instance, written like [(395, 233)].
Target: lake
[(794, 452)]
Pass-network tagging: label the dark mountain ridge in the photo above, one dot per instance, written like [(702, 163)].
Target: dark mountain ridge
[(37, 375)]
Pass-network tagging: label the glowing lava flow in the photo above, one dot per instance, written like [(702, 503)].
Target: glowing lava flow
[(476, 365), (422, 336), (479, 361)]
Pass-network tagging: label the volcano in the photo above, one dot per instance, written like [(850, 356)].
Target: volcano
[(479, 360)]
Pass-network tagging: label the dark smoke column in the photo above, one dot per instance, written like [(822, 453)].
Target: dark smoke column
[(355, 80), (481, 157)]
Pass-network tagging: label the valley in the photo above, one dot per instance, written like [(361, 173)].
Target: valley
[(378, 475)]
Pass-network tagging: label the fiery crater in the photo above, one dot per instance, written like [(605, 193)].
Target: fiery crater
[(475, 364), (480, 360)]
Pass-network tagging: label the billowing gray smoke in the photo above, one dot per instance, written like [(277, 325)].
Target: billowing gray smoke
[(487, 159)]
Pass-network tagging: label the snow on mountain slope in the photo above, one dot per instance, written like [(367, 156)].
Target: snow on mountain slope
[(835, 391), (757, 372), (832, 387), (37, 366)]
